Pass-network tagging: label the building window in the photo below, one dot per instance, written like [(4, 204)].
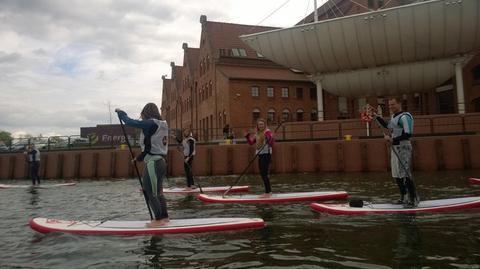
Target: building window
[(239, 52), (285, 115), (255, 114), (313, 93), (271, 116), (255, 91), (210, 88), (476, 74), (285, 92), (270, 92), (314, 115), (299, 114), (342, 106), (362, 102), (299, 93)]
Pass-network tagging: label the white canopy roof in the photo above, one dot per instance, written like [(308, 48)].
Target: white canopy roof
[(431, 32)]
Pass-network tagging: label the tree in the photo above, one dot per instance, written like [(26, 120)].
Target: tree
[(6, 137)]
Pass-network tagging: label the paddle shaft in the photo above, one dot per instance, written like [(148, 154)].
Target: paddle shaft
[(249, 164), (136, 167)]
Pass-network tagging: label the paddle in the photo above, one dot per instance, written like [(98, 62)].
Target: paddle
[(249, 164), (407, 171), (136, 167), (179, 141)]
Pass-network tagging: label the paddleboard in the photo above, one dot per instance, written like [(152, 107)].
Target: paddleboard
[(474, 181), (46, 225), (275, 198), (207, 189), (41, 186), (424, 206)]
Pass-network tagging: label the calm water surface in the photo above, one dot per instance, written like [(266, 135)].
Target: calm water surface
[(295, 237)]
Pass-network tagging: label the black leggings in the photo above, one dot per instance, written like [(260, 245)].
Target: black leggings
[(188, 172), (155, 198), (34, 167), (263, 164), (406, 184)]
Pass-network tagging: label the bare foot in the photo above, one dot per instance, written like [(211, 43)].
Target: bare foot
[(266, 195), (157, 223)]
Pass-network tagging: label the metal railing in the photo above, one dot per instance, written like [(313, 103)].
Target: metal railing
[(425, 125)]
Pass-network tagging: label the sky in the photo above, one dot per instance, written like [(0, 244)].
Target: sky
[(65, 64)]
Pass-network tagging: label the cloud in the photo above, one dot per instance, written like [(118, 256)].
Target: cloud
[(61, 62)]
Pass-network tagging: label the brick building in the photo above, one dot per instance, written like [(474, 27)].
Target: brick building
[(226, 82)]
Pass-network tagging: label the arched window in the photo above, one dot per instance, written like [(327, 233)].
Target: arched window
[(299, 114), (255, 114), (271, 116), (286, 114)]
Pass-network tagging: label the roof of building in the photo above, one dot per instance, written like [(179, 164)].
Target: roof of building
[(223, 35), (177, 76), (260, 73), (191, 58)]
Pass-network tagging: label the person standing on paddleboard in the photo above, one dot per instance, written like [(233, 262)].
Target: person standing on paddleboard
[(263, 140), (154, 145), (401, 130), (33, 158), (188, 145)]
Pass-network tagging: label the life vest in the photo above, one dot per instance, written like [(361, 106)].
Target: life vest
[(396, 124), (261, 143), (186, 146), (159, 139)]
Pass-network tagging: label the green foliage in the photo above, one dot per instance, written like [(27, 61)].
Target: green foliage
[(6, 137)]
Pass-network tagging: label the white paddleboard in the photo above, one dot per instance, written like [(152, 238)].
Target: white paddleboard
[(41, 186), (46, 225), (275, 198), (474, 181), (424, 206), (207, 189)]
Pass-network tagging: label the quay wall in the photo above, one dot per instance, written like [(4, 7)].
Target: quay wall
[(430, 154)]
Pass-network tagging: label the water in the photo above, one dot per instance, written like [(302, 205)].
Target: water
[(295, 237)]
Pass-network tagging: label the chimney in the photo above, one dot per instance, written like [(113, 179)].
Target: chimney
[(172, 64), (184, 46), (203, 19)]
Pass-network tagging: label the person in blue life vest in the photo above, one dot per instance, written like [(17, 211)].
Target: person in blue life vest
[(400, 129), (263, 140), (188, 145), (154, 145), (33, 159)]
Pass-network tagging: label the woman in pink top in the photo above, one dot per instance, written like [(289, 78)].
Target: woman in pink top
[(263, 140)]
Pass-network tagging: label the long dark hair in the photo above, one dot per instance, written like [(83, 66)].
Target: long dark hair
[(150, 111)]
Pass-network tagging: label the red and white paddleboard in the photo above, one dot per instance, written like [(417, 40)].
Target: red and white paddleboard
[(207, 189), (424, 206), (474, 181), (44, 225), (275, 198), (41, 186)]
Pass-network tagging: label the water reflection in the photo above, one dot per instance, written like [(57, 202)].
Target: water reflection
[(407, 250), (153, 251), (35, 197)]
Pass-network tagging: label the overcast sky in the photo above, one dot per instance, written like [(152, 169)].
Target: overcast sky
[(62, 62)]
